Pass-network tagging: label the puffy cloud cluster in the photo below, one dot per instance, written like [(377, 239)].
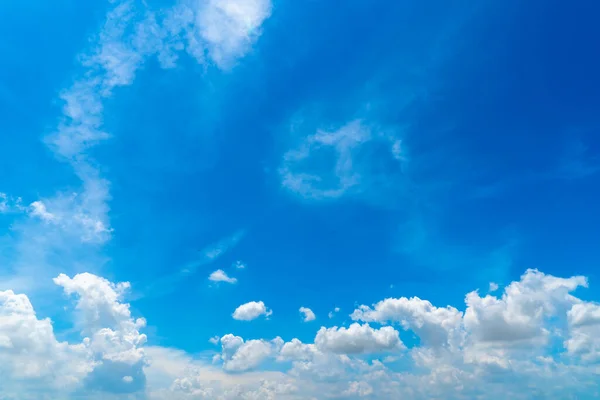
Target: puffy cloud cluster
[(30, 354), (108, 358), (114, 336), (535, 339), (240, 355)]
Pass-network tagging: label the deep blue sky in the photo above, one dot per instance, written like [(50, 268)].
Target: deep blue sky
[(495, 104)]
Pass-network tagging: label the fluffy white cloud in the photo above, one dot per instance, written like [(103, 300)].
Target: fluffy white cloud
[(30, 354), (358, 339), (584, 331), (114, 336), (111, 359), (436, 326), (220, 276), (309, 315), (251, 310), (520, 314), (239, 355)]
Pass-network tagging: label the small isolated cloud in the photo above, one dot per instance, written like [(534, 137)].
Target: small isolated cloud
[(220, 276), (332, 313), (214, 340), (493, 287), (308, 314), (127, 379), (251, 311), (239, 265)]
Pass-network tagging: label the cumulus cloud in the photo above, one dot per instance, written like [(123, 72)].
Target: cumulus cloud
[(358, 339), (434, 325), (251, 310), (584, 331), (520, 314), (30, 354), (112, 332), (239, 355), (112, 359), (220, 276), (109, 358), (309, 315)]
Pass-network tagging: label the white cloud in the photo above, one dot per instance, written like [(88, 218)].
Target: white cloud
[(584, 331), (360, 389), (113, 334), (10, 204), (220, 276), (229, 27), (493, 287), (308, 314), (329, 165), (239, 355), (239, 265), (251, 310), (332, 313), (109, 356), (30, 354), (519, 315), (31, 358), (130, 35), (358, 339), (436, 326), (38, 209)]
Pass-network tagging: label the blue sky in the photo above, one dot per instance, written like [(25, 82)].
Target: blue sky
[(231, 161)]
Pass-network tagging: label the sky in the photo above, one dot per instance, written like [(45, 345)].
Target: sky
[(277, 199)]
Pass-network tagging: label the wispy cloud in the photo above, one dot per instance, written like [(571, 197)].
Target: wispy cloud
[(210, 32), (353, 160)]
